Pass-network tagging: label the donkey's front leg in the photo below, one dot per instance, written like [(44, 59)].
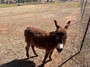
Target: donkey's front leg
[(45, 57), (50, 55)]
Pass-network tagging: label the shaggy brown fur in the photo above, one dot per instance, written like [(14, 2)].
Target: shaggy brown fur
[(45, 40)]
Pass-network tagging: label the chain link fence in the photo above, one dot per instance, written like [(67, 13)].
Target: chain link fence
[(80, 57)]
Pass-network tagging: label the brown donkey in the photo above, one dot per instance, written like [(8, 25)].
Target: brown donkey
[(46, 40)]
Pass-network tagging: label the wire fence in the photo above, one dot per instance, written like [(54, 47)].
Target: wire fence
[(85, 19), (82, 43)]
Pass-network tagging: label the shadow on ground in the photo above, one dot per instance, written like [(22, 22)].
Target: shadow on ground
[(19, 63)]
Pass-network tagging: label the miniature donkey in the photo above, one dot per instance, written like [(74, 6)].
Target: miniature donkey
[(46, 40)]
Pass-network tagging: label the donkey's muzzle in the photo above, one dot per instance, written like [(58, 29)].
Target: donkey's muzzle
[(59, 50), (59, 47)]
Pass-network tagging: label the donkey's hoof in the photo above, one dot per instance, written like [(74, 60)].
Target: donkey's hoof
[(36, 55), (43, 62), (50, 59), (27, 57)]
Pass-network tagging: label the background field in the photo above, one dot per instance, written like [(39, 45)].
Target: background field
[(14, 20)]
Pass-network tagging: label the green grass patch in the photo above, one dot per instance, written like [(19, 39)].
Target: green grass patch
[(7, 5), (62, 4), (67, 4)]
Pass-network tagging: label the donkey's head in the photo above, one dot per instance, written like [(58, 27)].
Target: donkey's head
[(61, 35)]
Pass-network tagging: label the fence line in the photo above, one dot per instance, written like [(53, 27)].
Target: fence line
[(83, 7), (85, 33)]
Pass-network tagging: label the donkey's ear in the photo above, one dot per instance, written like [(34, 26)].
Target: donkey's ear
[(57, 26), (67, 25)]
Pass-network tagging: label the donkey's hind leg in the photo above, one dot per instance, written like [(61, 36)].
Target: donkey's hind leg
[(34, 50), (27, 49)]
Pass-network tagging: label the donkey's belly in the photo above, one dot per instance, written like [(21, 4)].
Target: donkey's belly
[(40, 43), (40, 46)]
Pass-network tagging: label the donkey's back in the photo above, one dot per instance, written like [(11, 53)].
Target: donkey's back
[(36, 37)]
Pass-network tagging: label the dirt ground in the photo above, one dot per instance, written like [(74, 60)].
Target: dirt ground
[(13, 22)]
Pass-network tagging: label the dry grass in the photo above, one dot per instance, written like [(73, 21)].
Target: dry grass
[(14, 20)]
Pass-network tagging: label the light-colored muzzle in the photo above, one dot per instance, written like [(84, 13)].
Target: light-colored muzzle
[(59, 47)]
